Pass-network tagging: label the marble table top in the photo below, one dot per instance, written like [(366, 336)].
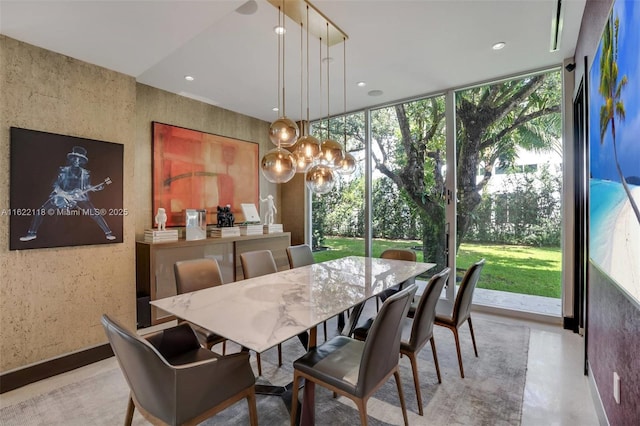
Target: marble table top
[(261, 312)]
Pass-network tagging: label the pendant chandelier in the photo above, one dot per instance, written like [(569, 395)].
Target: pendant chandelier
[(319, 161), (279, 165), (348, 164), (283, 132), (320, 177), (332, 151), (307, 149)]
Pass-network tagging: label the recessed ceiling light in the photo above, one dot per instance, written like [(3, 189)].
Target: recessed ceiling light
[(279, 30), (499, 45), (276, 109), (189, 78), (361, 84), (375, 93), (248, 8)]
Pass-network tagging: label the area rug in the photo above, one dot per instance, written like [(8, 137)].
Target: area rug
[(490, 394)]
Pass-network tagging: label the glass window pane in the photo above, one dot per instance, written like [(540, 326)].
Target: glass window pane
[(408, 150), (510, 213), (338, 217)]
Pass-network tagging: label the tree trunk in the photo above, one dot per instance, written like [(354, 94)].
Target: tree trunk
[(434, 236)]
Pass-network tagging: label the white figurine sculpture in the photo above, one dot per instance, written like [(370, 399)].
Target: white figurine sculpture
[(161, 219), (271, 209)]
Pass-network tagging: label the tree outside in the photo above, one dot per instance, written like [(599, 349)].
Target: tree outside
[(409, 151)]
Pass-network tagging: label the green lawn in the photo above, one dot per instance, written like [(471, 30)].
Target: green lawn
[(518, 269)]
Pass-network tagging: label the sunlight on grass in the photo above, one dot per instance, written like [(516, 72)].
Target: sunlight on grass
[(517, 269)]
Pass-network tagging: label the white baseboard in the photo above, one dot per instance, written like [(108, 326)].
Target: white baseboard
[(597, 401)]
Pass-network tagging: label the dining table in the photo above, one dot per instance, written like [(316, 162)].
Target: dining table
[(261, 312)]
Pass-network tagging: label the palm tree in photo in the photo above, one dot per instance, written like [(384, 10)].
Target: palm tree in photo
[(611, 89)]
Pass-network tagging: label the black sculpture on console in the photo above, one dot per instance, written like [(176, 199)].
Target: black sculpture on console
[(225, 217)]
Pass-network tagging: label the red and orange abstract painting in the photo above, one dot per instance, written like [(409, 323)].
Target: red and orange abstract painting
[(197, 170)]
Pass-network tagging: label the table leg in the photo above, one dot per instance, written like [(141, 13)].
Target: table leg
[(308, 415)]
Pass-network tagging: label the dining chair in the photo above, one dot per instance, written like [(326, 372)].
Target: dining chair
[(421, 329), (301, 255), (396, 254), (175, 381), (354, 368), (454, 315), (198, 274), (256, 264)]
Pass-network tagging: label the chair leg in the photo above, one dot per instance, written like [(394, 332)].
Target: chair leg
[(224, 347), (455, 335), (259, 364), (416, 380), (279, 355), (253, 410), (435, 358), (128, 418), (473, 337), (325, 331), (377, 304), (396, 374), (361, 404), (294, 398)]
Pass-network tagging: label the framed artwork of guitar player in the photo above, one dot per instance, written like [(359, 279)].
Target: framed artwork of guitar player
[(64, 191)]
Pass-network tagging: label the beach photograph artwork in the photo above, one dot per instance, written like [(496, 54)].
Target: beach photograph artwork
[(614, 144)]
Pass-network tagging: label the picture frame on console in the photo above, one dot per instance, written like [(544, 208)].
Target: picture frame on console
[(199, 170)]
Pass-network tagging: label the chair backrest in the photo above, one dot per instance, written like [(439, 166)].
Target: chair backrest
[(257, 263), (382, 346), (150, 378), (196, 274), (462, 304), (422, 327), (300, 255), (399, 254)]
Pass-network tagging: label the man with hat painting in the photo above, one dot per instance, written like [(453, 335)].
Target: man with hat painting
[(71, 190)]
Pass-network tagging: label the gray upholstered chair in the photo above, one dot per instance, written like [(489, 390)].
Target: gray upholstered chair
[(354, 368), (255, 264), (396, 254), (301, 255), (174, 381), (453, 315), (421, 329), (198, 274)]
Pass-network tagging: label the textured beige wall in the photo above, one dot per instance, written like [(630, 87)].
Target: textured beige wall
[(164, 107), (51, 299)]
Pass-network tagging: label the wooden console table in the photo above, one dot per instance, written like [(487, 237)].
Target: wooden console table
[(154, 265)]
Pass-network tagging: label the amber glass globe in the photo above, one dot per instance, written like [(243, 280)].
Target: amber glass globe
[(320, 179), (307, 152), (278, 165), (347, 165), (284, 132), (332, 153)]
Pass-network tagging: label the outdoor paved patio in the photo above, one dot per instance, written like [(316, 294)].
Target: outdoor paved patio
[(545, 309)]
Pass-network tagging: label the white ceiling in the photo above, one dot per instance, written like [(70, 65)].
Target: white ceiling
[(403, 48)]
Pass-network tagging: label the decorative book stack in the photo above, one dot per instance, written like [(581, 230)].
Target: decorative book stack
[(227, 231), (273, 228), (251, 229), (155, 236)]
